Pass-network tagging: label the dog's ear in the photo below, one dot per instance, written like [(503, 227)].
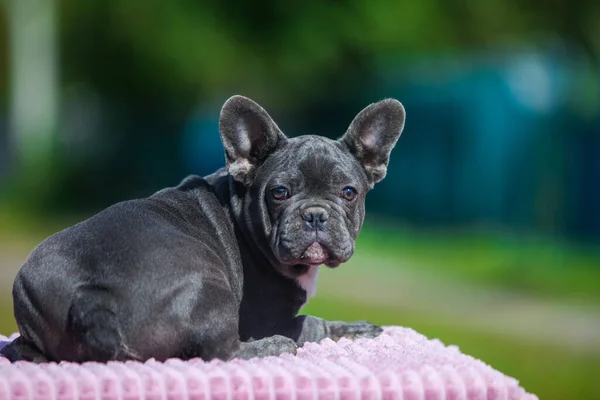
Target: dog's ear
[(249, 135), (373, 134)]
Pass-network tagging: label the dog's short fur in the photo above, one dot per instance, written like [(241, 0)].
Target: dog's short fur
[(217, 267)]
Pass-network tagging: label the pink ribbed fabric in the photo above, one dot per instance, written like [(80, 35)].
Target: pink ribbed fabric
[(401, 364)]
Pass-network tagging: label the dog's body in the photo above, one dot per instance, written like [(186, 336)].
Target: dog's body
[(217, 267)]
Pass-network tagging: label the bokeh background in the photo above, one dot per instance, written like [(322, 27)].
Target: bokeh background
[(486, 232)]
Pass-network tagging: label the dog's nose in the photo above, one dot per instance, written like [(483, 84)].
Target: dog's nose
[(315, 217)]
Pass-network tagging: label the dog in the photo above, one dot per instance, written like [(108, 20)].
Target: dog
[(217, 266)]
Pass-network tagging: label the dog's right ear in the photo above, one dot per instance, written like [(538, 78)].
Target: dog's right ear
[(249, 135)]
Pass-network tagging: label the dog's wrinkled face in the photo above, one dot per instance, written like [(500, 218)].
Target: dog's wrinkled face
[(306, 195), (313, 190)]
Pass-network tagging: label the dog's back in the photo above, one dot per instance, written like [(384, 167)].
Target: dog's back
[(85, 292)]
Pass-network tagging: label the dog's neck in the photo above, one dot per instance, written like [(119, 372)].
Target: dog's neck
[(268, 296), (308, 282)]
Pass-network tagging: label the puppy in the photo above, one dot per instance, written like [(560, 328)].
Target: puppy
[(218, 266)]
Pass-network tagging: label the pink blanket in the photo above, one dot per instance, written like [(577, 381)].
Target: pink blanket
[(400, 364)]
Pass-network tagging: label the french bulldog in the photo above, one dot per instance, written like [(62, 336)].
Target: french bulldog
[(218, 266)]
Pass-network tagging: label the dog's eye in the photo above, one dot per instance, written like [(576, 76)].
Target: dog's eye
[(349, 193), (280, 193)]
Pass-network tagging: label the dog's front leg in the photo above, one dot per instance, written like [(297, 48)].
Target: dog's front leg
[(269, 346), (306, 328)]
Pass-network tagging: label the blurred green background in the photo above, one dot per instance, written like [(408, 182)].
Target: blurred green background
[(486, 232)]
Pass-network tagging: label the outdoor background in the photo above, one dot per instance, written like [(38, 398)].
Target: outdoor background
[(486, 231)]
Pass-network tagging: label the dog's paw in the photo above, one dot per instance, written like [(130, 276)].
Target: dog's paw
[(354, 330), (276, 345), (270, 346)]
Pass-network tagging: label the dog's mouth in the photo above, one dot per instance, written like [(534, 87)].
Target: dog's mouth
[(315, 254)]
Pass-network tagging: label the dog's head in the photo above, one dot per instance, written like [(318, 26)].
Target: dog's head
[(304, 201)]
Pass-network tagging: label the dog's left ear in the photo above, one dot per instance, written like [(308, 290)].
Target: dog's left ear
[(249, 135), (373, 134)]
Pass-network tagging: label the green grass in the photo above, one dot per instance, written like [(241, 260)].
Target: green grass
[(15, 224), (7, 322), (546, 267), (549, 372)]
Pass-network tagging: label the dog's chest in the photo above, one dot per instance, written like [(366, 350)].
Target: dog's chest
[(308, 282)]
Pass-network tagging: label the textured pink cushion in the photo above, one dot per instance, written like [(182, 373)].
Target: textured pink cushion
[(400, 364)]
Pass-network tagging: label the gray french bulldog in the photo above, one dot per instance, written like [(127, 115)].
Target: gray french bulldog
[(217, 267)]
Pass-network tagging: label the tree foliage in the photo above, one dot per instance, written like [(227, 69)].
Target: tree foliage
[(177, 49)]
